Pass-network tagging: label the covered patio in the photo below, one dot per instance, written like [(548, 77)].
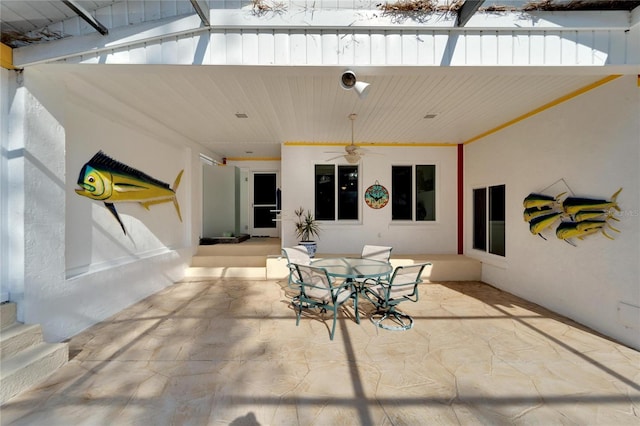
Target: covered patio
[(228, 352), (513, 101)]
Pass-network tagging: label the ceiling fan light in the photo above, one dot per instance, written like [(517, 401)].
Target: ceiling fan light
[(352, 158)]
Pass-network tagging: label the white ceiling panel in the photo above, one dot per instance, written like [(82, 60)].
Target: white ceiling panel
[(307, 104)]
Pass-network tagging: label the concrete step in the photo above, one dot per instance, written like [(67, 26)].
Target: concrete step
[(254, 273), (7, 315), (30, 367), (241, 249), (26, 358), (444, 267), (259, 261), (18, 337)]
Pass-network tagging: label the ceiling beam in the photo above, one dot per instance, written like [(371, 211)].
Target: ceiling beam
[(468, 9), (202, 10), (82, 12)]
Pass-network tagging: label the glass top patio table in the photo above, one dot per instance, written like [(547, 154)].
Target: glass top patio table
[(352, 268)]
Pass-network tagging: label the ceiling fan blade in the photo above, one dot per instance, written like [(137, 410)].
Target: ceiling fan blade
[(334, 158)]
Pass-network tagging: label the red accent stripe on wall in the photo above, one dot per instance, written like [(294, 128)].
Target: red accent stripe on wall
[(460, 198)]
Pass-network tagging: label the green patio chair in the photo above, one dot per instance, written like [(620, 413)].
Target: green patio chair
[(318, 291), (386, 295)]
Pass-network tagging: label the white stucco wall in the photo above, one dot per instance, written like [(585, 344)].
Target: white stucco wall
[(375, 226), (593, 143), (5, 76), (71, 265), (35, 193)]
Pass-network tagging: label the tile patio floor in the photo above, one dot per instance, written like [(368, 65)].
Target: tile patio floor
[(228, 352)]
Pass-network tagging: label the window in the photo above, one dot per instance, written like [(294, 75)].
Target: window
[(413, 186), (488, 219), (336, 183)]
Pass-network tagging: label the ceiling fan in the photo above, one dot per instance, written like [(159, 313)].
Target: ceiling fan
[(352, 153)]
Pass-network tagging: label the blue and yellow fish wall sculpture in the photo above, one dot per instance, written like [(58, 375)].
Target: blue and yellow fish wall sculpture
[(567, 230), (110, 181), (539, 201), (573, 205), (579, 216)]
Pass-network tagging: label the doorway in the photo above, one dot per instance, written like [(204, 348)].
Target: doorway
[(265, 204)]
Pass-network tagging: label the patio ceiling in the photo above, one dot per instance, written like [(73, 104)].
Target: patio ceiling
[(307, 104)]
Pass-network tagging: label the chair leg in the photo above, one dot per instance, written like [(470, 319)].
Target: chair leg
[(298, 312), (335, 317), (355, 308)]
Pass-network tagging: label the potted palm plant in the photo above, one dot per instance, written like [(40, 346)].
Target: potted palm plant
[(307, 228)]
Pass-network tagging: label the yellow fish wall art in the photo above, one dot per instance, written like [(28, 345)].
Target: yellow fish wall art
[(579, 216), (573, 205), (110, 181)]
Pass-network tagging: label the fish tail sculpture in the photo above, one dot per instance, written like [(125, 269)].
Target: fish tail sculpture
[(110, 181)]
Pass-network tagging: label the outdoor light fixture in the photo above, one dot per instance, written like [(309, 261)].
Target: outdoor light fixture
[(349, 81)]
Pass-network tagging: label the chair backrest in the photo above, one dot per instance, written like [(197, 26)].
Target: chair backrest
[(297, 254), (404, 281), (376, 252), (314, 282)]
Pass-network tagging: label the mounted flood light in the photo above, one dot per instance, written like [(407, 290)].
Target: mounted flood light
[(349, 81)]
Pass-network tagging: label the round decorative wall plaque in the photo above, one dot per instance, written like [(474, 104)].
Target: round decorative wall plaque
[(376, 196)]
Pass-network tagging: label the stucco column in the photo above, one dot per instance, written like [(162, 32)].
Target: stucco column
[(13, 187), (7, 91), (35, 195)]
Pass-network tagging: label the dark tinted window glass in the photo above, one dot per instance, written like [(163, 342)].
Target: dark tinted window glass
[(426, 192), (347, 192), (480, 219), (263, 217), (401, 199), (496, 220), (325, 201), (264, 188)]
